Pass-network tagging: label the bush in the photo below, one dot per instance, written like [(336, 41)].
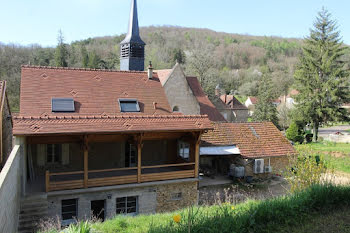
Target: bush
[(293, 134)]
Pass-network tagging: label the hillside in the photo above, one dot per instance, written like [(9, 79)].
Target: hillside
[(235, 61)]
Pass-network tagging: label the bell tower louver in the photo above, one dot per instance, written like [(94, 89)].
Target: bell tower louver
[(132, 48)]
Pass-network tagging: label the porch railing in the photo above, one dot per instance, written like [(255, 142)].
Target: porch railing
[(109, 177)]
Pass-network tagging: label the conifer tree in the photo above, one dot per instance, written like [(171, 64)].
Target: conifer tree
[(61, 53), (321, 77), (265, 109), (85, 56)]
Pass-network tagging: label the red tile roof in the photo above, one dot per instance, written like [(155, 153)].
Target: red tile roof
[(254, 140), (233, 102), (108, 124), (206, 106), (95, 93), (163, 75)]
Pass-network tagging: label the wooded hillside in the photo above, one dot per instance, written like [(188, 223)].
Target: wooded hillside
[(235, 61)]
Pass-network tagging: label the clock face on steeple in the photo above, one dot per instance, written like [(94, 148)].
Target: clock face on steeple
[(132, 48)]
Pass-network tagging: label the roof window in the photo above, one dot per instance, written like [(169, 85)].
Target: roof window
[(62, 105), (129, 105)]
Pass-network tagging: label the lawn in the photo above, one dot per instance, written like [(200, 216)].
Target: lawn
[(338, 154), (294, 213)]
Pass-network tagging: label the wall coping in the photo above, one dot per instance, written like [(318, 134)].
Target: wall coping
[(6, 169), (119, 187)]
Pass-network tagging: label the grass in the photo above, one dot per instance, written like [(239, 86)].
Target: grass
[(338, 154), (281, 214)]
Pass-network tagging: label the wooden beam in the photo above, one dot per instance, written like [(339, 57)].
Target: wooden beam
[(86, 162), (196, 166), (139, 159), (53, 139), (47, 181)]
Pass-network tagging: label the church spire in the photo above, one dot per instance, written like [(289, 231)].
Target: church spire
[(132, 47)]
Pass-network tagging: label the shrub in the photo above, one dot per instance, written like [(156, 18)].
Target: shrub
[(293, 134)]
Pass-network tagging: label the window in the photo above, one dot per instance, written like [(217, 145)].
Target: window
[(126, 205), (176, 109), (69, 211), (130, 155), (62, 105), (129, 105), (184, 150), (53, 153)]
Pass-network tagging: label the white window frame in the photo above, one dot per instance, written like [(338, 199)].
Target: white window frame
[(184, 150), (53, 151), (126, 206)]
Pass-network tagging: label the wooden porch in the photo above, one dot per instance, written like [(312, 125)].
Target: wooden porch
[(88, 178)]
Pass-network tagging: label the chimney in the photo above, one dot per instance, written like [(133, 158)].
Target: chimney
[(150, 70), (218, 90)]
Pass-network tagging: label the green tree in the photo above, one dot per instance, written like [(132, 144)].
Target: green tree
[(94, 60), (293, 133), (84, 56), (61, 53), (321, 77), (265, 109), (179, 56)]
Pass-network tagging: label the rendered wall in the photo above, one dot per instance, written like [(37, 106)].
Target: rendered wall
[(10, 191)]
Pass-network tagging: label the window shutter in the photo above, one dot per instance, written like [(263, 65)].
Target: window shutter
[(41, 154), (65, 154)]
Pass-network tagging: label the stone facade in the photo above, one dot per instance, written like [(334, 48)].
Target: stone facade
[(278, 164), (179, 93), (176, 196), (152, 197), (231, 115)]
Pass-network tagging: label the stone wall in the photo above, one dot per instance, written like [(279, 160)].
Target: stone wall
[(176, 196), (152, 197), (240, 115), (10, 191), (180, 94), (278, 165)]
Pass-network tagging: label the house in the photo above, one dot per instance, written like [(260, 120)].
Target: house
[(252, 101), (255, 149), (230, 107), (99, 142), (186, 95), (289, 100), (6, 126)]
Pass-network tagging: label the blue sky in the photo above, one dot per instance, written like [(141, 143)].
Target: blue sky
[(38, 21)]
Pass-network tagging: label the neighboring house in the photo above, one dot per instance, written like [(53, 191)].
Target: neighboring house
[(289, 100), (230, 107), (256, 149), (252, 101), (100, 142), (6, 126), (186, 95)]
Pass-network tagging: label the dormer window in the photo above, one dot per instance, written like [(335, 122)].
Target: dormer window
[(62, 105), (129, 105)]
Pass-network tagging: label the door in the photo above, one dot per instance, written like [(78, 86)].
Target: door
[(98, 209)]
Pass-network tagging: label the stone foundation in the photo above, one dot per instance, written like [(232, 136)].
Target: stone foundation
[(152, 198), (176, 196)]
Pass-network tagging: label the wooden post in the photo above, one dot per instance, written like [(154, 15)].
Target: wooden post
[(47, 181), (86, 162), (139, 159), (196, 166)]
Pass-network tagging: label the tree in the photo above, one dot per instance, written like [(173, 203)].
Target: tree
[(293, 133), (61, 53), (321, 77), (284, 116), (265, 109), (85, 56), (179, 56)]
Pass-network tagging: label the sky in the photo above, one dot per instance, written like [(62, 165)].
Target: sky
[(28, 22)]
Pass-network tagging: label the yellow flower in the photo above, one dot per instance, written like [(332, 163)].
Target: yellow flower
[(177, 218), (233, 207)]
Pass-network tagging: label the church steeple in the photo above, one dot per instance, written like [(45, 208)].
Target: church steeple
[(132, 48)]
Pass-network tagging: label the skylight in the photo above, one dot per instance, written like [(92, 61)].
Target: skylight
[(129, 105), (254, 132), (62, 105)]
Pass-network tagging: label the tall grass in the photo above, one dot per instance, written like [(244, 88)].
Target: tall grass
[(263, 216), (252, 216)]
